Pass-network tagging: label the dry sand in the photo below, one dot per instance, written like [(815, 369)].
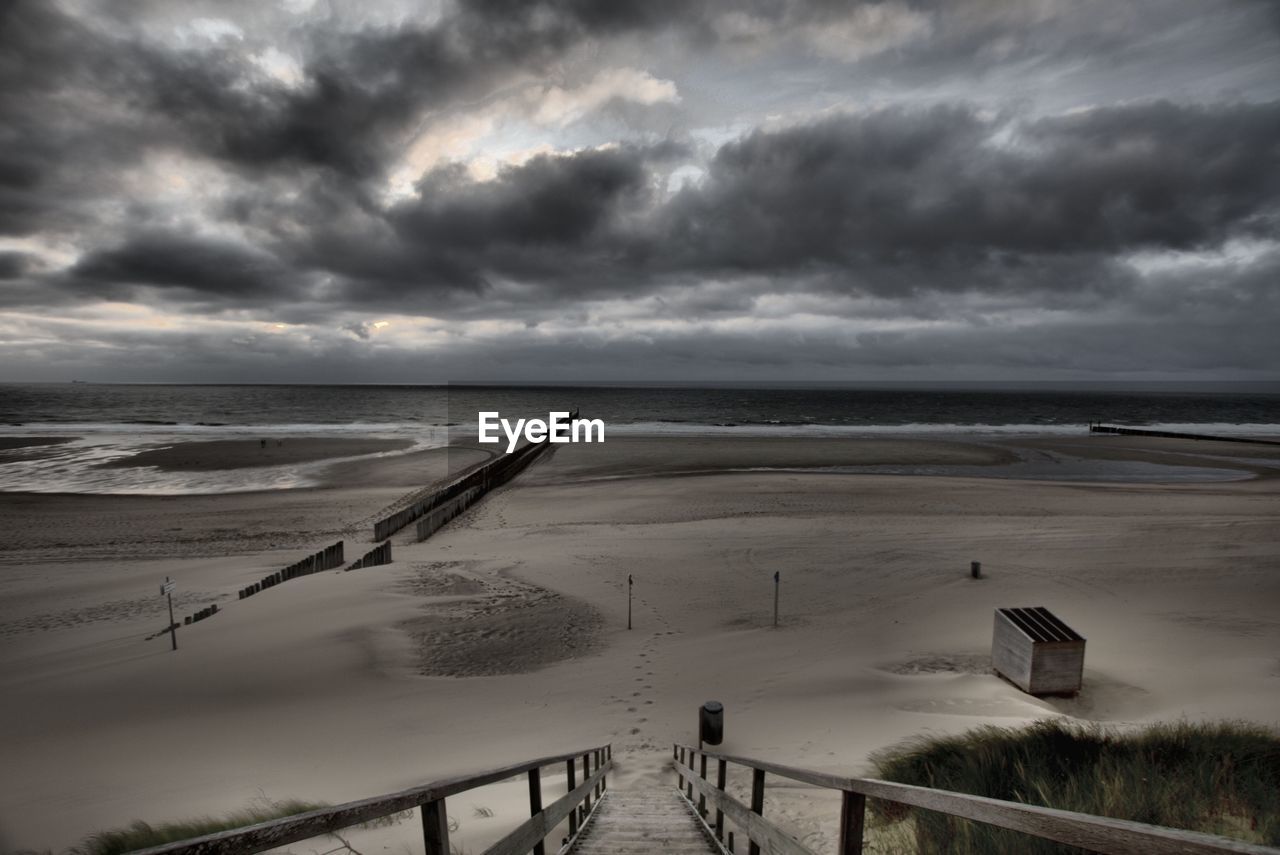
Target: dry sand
[(504, 635)]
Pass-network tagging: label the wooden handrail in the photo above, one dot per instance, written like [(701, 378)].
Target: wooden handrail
[(1095, 833), (430, 797)]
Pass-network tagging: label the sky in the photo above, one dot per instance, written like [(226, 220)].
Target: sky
[(639, 190)]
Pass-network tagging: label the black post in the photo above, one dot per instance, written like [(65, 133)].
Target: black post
[(630, 582), (757, 805), (435, 828), (535, 804), (777, 583), (702, 797), (720, 781), (571, 768)]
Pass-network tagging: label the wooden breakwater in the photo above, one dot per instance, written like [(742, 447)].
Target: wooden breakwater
[(329, 558), (1098, 427), (483, 478), (430, 523), (380, 554), (207, 611)]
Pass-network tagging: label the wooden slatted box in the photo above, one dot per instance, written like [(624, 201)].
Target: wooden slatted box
[(1037, 652)]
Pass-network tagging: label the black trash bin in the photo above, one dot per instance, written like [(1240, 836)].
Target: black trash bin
[(711, 723)]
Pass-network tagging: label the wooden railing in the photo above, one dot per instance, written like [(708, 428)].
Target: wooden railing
[(576, 805), (1095, 833)]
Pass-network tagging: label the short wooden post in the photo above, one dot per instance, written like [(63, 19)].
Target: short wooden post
[(679, 773), (975, 569), (702, 796), (730, 843), (853, 812), (571, 767), (720, 783), (435, 828), (757, 804), (535, 805)]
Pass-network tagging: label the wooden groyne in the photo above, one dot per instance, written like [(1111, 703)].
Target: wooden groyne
[(380, 554), (329, 558), (464, 491), (1098, 427)]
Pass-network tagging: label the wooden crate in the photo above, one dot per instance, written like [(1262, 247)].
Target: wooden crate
[(1037, 652)]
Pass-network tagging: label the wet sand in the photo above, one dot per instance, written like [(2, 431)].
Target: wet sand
[(220, 454)]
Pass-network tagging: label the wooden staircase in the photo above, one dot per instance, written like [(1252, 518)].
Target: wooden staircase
[(642, 821)]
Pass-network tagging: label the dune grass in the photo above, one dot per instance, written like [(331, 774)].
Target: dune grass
[(142, 835), (1220, 778)]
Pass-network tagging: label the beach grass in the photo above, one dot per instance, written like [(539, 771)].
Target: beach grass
[(1220, 778), (143, 835)]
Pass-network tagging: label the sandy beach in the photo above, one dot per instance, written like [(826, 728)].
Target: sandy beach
[(504, 636)]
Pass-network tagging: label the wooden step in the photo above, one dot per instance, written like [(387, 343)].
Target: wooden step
[(642, 821)]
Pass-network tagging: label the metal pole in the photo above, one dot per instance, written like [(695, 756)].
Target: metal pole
[(630, 582), (777, 583)]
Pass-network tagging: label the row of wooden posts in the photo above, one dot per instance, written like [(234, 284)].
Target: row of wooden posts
[(380, 554), (329, 558), (434, 520), (481, 480), (207, 611)]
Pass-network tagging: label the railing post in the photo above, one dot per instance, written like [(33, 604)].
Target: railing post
[(689, 783), (702, 796), (720, 782), (535, 805), (757, 805), (571, 767), (853, 812), (435, 828), (679, 774), (586, 776)]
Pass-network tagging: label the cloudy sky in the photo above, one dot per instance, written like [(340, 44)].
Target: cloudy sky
[(392, 191)]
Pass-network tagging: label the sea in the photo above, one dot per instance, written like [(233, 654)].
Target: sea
[(111, 421)]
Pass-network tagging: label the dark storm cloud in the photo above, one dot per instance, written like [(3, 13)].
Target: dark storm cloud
[(898, 202), (917, 187), (203, 267), (920, 212)]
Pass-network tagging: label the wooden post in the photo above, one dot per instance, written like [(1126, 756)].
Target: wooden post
[(586, 775), (571, 767), (702, 797), (630, 582), (435, 827), (777, 583), (535, 805), (731, 843), (173, 628), (757, 804), (975, 569), (853, 812), (679, 774), (690, 781), (720, 783)]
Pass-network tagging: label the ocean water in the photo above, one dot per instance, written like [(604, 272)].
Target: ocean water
[(108, 422)]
